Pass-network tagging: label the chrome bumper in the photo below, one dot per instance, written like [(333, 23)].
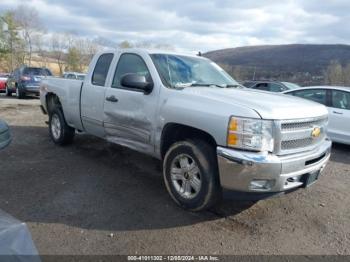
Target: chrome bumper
[(247, 171)]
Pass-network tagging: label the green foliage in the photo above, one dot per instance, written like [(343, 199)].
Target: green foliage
[(73, 59), (12, 47), (126, 44)]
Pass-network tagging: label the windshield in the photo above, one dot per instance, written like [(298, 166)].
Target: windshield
[(290, 85), (184, 71), (37, 71)]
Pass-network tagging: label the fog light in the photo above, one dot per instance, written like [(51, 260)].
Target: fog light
[(262, 184)]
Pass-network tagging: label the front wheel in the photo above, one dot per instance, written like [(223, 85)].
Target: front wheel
[(60, 132), (191, 175)]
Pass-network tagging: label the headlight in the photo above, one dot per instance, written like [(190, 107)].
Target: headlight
[(250, 134)]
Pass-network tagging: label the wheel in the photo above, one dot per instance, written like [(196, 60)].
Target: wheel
[(191, 176), (19, 93), (60, 132), (8, 92)]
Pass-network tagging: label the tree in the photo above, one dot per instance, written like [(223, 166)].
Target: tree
[(59, 44), (86, 49), (12, 46), (73, 57), (346, 72), (29, 22), (334, 74), (125, 44)]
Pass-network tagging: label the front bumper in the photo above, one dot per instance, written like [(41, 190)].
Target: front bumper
[(242, 171), (5, 137)]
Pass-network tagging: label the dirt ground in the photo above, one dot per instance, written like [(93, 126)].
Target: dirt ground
[(97, 198)]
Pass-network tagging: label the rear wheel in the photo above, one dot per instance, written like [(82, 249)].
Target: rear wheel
[(19, 93), (191, 175), (8, 92), (60, 132)]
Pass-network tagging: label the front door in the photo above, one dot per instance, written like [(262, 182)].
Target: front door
[(129, 113), (339, 116)]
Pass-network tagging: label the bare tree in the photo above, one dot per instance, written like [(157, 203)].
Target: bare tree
[(29, 22), (59, 45), (40, 48), (346, 72), (334, 74)]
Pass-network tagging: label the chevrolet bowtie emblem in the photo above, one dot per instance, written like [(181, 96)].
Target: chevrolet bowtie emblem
[(316, 132)]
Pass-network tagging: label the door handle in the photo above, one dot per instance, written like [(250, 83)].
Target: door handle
[(337, 113), (112, 99)]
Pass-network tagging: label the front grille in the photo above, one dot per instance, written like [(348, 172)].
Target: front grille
[(296, 135), (302, 124)]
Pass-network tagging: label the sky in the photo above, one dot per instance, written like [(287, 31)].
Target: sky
[(198, 25)]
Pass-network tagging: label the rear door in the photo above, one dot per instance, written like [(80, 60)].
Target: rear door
[(339, 116), (93, 95), (129, 113)]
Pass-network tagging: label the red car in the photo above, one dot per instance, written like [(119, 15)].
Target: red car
[(3, 80)]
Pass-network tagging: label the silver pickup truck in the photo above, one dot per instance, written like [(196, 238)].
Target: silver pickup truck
[(212, 134)]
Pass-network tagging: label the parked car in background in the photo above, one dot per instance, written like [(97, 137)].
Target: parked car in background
[(3, 80), (74, 75), (5, 136), (26, 80), (271, 86), (337, 100), (211, 134)]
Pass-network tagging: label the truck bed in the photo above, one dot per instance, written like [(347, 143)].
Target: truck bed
[(69, 91)]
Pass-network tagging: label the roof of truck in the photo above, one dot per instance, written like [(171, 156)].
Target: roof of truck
[(153, 51)]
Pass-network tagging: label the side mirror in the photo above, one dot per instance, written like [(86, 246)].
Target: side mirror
[(138, 82), (5, 136)]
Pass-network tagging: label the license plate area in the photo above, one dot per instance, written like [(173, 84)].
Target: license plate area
[(311, 178)]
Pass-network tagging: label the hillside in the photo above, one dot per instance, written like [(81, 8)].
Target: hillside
[(297, 62)]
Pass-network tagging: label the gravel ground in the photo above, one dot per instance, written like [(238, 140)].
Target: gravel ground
[(97, 198)]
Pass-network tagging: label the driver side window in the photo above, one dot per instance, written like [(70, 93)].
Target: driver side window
[(341, 99), (130, 64)]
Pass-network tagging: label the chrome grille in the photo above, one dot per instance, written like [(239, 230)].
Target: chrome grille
[(296, 135), (302, 125)]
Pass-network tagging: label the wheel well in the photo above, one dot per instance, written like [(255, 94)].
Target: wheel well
[(173, 133), (52, 101)]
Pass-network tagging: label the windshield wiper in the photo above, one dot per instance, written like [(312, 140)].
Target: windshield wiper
[(179, 85), (236, 86), (198, 84)]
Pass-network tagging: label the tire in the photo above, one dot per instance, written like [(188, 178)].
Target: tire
[(19, 93), (8, 92), (60, 132), (181, 176)]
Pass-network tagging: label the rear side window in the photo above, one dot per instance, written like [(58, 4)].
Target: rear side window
[(101, 69), (130, 64), (273, 87), (36, 71), (340, 99), (261, 86), (316, 95)]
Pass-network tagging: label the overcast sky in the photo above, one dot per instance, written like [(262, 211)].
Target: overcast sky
[(198, 24)]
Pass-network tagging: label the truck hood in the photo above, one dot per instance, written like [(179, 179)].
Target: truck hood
[(268, 105)]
